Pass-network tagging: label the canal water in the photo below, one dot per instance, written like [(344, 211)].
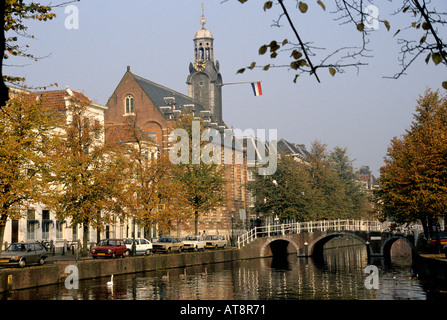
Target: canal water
[(339, 276)]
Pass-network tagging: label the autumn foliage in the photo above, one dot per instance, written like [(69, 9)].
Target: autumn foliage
[(414, 177)]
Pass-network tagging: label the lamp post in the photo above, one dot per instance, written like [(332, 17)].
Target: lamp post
[(276, 211), (232, 228), (134, 246)]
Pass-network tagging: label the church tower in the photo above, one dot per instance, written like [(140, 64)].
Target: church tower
[(204, 80)]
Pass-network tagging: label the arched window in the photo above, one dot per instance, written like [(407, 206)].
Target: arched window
[(130, 106)]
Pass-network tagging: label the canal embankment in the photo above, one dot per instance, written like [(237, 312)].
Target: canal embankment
[(430, 266), (55, 271)]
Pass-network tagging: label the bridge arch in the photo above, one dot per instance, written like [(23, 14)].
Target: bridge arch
[(278, 246), (385, 249), (316, 246)]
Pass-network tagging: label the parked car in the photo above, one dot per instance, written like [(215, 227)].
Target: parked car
[(22, 254), (442, 239), (142, 246), (109, 248), (215, 242), (167, 245), (193, 243)]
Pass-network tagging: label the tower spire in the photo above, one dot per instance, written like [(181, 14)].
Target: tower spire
[(202, 20)]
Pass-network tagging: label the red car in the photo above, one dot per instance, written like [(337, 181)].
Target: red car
[(110, 248), (442, 236)]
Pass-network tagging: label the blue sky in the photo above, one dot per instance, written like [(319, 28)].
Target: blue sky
[(361, 111)]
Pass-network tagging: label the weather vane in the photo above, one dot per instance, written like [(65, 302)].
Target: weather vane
[(202, 20)]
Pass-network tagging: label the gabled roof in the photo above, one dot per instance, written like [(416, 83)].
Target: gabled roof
[(55, 99), (286, 147), (162, 97)]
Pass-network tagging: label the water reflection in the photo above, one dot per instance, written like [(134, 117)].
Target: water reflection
[(339, 276)]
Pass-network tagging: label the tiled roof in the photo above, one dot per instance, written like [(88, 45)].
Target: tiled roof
[(56, 98), (285, 147), (160, 96)]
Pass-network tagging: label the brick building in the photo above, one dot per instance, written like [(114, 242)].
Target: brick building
[(154, 108)]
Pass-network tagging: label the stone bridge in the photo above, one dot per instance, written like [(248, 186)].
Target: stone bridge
[(308, 239)]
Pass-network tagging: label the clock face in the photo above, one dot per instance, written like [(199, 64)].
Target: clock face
[(200, 65)]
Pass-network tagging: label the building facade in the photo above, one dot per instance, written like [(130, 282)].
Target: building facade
[(37, 222), (154, 107)]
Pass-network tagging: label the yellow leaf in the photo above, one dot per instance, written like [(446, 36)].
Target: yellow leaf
[(332, 71), (321, 4), (303, 7)]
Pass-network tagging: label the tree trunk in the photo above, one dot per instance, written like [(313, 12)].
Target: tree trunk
[(196, 222), (425, 227), (3, 219), (85, 240)]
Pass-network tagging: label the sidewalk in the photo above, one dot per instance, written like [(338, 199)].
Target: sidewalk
[(66, 257)]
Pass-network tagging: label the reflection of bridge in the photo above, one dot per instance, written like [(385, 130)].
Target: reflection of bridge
[(308, 238)]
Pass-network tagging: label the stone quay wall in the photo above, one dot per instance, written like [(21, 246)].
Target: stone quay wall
[(54, 273)]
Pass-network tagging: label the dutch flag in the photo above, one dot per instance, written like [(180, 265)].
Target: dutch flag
[(257, 90)]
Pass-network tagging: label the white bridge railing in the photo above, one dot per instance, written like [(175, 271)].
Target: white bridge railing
[(311, 226)]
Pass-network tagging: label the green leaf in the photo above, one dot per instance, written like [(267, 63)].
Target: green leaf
[(263, 49), (437, 58), (302, 62), (425, 26), (242, 1), (428, 58), (321, 4), (240, 71), (268, 5), (296, 54), (396, 32), (332, 71), (296, 77), (266, 67), (387, 25), (422, 39), (274, 46), (303, 7), (252, 65), (294, 65), (360, 27), (273, 55), (444, 85), (285, 41)]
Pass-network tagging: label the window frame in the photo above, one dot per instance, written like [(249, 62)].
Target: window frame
[(129, 104)]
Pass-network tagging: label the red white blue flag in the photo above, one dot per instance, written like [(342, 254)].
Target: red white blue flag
[(257, 90)]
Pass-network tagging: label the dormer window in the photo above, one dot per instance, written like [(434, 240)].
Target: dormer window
[(130, 106)]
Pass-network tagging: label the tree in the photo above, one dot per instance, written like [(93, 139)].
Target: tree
[(25, 130), (421, 37), (293, 189), (322, 187), (152, 195), (357, 202), (414, 177), (16, 13), (202, 181), (87, 175)]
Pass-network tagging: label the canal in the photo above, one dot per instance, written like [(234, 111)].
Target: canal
[(339, 276)]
